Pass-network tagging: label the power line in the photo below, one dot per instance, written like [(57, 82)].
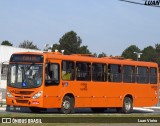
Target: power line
[(133, 2)]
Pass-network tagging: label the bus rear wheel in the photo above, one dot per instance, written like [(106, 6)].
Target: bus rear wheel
[(127, 105), (67, 106)]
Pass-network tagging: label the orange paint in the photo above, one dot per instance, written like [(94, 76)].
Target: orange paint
[(86, 93)]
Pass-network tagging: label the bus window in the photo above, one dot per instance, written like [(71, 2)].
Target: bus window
[(52, 74), (25, 75), (12, 75), (153, 75), (4, 71), (129, 74), (68, 70), (142, 75), (114, 73), (98, 72), (83, 71)]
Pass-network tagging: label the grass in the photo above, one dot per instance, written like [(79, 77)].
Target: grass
[(80, 117)]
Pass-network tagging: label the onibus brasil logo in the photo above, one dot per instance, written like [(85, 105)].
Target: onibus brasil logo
[(153, 3)]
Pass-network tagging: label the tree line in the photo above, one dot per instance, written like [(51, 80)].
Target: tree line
[(149, 53), (71, 43)]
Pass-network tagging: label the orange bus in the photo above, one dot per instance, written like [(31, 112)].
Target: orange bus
[(53, 80)]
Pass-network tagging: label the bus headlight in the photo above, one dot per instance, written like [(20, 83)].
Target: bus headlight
[(9, 94), (37, 95)]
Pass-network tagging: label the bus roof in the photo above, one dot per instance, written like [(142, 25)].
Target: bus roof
[(90, 58)]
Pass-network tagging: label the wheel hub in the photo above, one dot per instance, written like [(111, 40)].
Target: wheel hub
[(127, 105), (66, 104)]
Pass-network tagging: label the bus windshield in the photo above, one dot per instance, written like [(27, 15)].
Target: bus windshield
[(25, 75)]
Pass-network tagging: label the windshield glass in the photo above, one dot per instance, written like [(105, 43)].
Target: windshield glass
[(25, 76)]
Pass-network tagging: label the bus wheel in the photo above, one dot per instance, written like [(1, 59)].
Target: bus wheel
[(127, 105), (98, 110), (67, 106)]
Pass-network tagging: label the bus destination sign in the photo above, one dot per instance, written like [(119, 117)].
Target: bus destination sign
[(26, 58)]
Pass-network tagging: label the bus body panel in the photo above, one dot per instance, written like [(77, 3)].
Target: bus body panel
[(90, 99), (87, 93)]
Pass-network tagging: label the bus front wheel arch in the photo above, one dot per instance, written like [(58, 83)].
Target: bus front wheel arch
[(67, 106)]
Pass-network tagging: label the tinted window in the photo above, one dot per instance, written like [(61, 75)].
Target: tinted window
[(114, 73), (83, 71), (129, 74), (153, 75), (98, 72), (142, 75), (68, 70), (52, 74)]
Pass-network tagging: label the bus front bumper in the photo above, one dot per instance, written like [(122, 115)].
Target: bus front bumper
[(24, 102)]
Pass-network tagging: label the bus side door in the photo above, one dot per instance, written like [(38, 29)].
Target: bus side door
[(52, 82)]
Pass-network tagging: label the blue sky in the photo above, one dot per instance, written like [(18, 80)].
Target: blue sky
[(108, 26)]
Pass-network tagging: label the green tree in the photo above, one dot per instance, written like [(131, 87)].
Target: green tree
[(129, 52), (84, 50), (95, 54), (149, 54), (7, 43), (71, 44), (28, 45), (55, 47), (157, 48), (102, 55)]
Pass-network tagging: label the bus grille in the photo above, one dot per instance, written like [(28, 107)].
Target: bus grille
[(22, 97), (24, 92), (22, 101)]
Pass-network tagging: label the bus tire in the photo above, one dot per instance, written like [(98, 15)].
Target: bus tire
[(127, 105), (67, 106)]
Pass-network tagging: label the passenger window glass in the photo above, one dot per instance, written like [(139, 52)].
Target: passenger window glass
[(68, 72), (153, 75), (52, 74), (142, 75), (83, 71), (98, 72), (114, 73), (129, 74)]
